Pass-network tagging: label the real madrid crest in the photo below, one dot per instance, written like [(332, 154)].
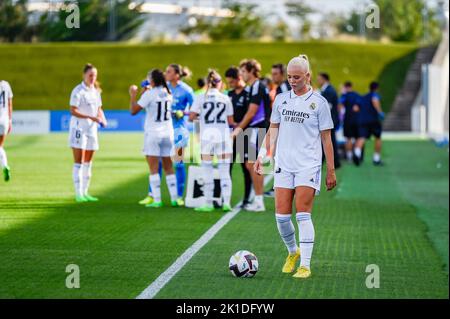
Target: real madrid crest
[(313, 106)]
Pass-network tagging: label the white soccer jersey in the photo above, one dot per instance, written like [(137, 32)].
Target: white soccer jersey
[(213, 108), (88, 101), (301, 118), (157, 102), (5, 95)]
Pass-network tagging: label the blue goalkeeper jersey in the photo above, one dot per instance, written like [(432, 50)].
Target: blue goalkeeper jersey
[(183, 97)]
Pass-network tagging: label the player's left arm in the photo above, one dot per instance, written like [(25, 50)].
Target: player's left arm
[(329, 156), (10, 110), (377, 104), (325, 127), (102, 117)]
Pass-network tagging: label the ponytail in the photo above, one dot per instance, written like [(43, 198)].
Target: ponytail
[(183, 72), (157, 76)]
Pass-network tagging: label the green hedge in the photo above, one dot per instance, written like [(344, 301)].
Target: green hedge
[(43, 75)]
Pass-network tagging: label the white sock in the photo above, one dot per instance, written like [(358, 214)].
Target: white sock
[(358, 152), (171, 181), (259, 199), (225, 181), (377, 157), (3, 158), (306, 238), (287, 232), (77, 179), (86, 173), (349, 155), (208, 178), (155, 183)]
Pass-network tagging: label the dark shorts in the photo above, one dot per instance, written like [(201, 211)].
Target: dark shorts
[(248, 150), (369, 129), (351, 130)]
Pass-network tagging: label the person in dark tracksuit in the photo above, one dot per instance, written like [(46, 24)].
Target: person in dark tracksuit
[(349, 101), (329, 93), (370, 119), (240, 100)]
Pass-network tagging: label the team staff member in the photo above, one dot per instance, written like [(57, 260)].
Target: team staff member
[(257, 118), (279, 78), (300, 124), (239, 99), (330, 94), (349, 101), (6, 107), (371, 117), (87, 114)]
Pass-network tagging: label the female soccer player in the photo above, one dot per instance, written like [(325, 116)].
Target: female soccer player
[(159, 139), (87, 113), (216, 115), (183, 97), (300, 122), (6, 97)]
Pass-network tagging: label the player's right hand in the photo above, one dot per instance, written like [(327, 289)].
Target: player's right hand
[(133, 90), (258, 166)]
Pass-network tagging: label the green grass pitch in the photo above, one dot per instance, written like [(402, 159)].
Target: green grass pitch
[(394, 216)]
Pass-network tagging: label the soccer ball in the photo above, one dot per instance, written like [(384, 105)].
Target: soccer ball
[(243, 264)]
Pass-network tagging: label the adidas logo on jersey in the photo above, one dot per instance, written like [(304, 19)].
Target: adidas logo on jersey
[(284, 102)]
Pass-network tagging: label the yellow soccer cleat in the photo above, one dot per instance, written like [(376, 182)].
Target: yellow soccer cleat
[(302, 272), (146, 201), (291, 261)]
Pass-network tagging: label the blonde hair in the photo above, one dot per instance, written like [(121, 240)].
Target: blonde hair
[(300, 61)]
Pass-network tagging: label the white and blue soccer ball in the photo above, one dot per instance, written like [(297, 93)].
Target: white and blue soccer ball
[(243, 264)]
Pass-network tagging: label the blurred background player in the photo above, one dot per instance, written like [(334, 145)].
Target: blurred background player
[(300, 124), (183, 97), (87, 114), (201, 86), (330, 94), (6, 106), (279, 78), (239, 99), (216, 116), (371, 117), (278, 75), (159, 135), (349, 102), (257, 118)]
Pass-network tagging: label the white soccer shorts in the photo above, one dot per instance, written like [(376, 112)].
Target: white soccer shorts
[(4, 127), (154, 145), (211, 147), (84, 140), (309, 177)]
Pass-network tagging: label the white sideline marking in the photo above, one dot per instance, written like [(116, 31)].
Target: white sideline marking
[(155, 287)]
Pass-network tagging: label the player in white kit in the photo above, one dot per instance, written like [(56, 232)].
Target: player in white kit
[(159, 134), (6, 97), (87, 114), (215, 111), (300, 123)]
